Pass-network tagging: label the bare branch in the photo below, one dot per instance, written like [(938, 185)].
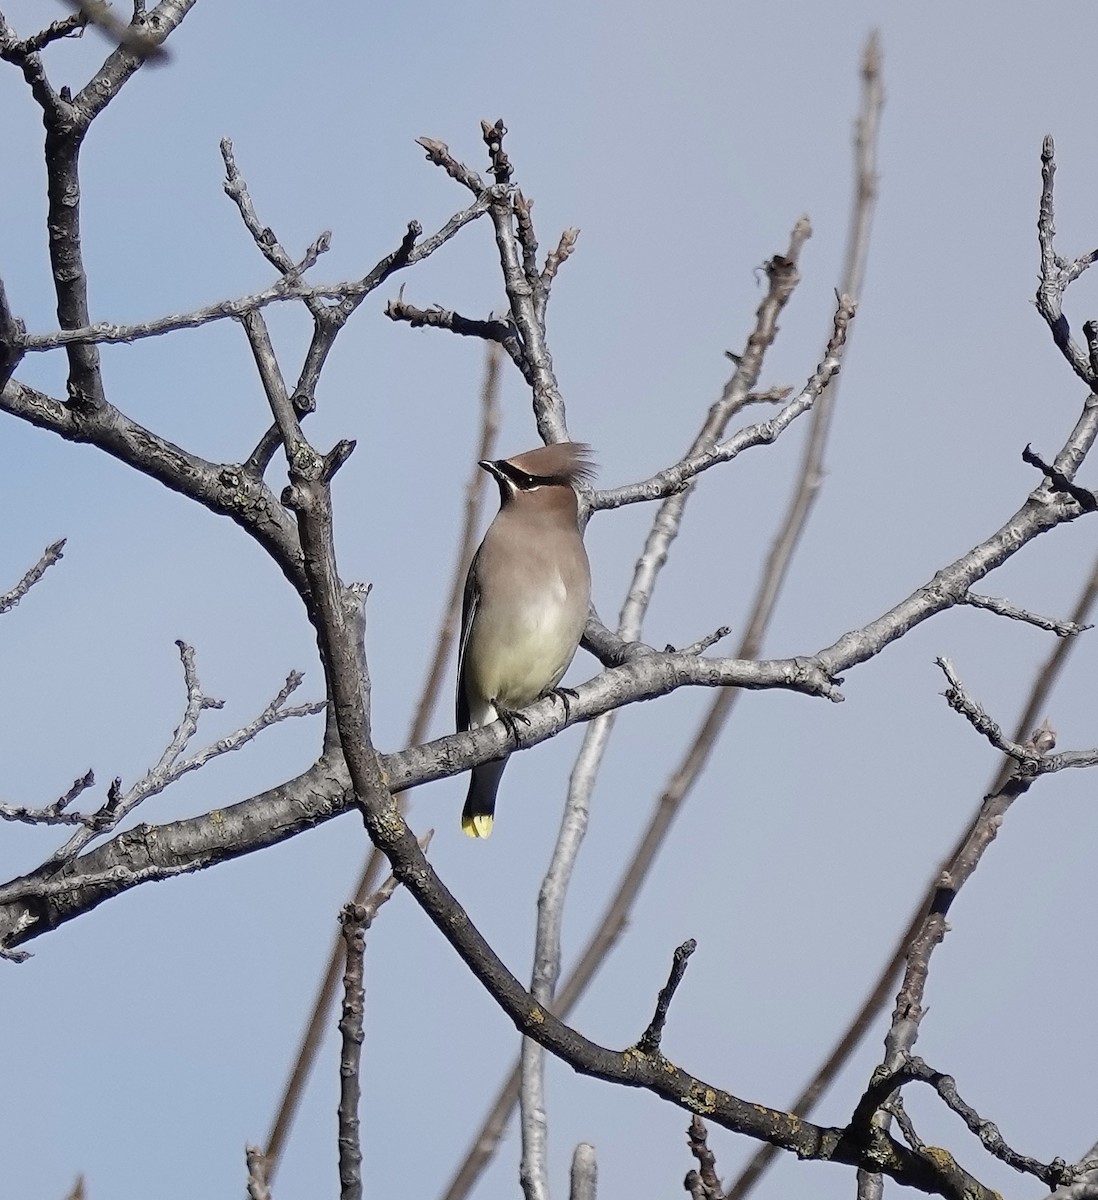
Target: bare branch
[(25, 56), (527, 239), (649, 1043), (1004, 608), (67, 121), (703, 644), (353, 923), (290, 287), (439, 153), (501, 168), (960, 701), (673, 479), (1057, 274), (12, 333), (70, 26), (51, 554), (355, 920), (108, 333), (236, 188), (171, 767), (1059, 482), (527, 290), (258, 1185), (585, 1173), (553, 263), (55, 813), (911, 1069), (1040, 513), (492, 330), (702, 1184)]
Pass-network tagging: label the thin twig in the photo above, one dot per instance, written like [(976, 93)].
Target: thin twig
[(704, 1183), (1057, 274), (1004, 608), (258, 1183), (287, 288), (585, 1173), (703, 644), (78, 1191), (172, 766), (650, 1040), (1053, 1174), (1059, 482), (65, 27), (353, 925), (51, 554), (672, 480), (55, 813), (355, 920)]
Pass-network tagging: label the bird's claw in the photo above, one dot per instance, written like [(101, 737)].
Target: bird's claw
[(511, 719), (565, 695)]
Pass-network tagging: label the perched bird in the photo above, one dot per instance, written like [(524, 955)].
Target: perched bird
[(526, 600)]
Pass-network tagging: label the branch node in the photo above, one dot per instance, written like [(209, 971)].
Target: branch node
[(335, 458), (493, 138), (1060, 482)]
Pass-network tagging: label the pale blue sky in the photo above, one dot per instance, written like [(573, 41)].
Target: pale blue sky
[(147, 1042)]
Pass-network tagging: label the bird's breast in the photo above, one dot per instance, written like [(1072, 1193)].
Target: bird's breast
[(520, 648)]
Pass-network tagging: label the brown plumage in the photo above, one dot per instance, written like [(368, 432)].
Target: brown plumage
[(526, 601)]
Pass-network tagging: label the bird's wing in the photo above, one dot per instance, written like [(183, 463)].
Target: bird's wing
[(469, 603)]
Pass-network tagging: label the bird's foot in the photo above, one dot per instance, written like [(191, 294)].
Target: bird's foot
[(511, 719), (565, 695)]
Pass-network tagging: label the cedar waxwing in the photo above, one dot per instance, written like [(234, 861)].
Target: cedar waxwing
[(526, 600)]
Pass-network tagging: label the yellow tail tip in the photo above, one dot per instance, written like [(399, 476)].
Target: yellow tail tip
[(479, 826)]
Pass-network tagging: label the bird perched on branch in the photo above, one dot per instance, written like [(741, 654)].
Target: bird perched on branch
[(526, 601)]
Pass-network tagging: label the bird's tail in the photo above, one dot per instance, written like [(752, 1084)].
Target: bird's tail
[(480, 803)]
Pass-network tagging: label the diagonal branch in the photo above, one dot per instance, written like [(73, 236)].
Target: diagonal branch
[(1004, 608), (650, 1040), (673, 479), (51, 554)]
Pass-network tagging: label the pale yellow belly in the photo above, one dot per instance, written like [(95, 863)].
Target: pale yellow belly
[(513, 659)]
